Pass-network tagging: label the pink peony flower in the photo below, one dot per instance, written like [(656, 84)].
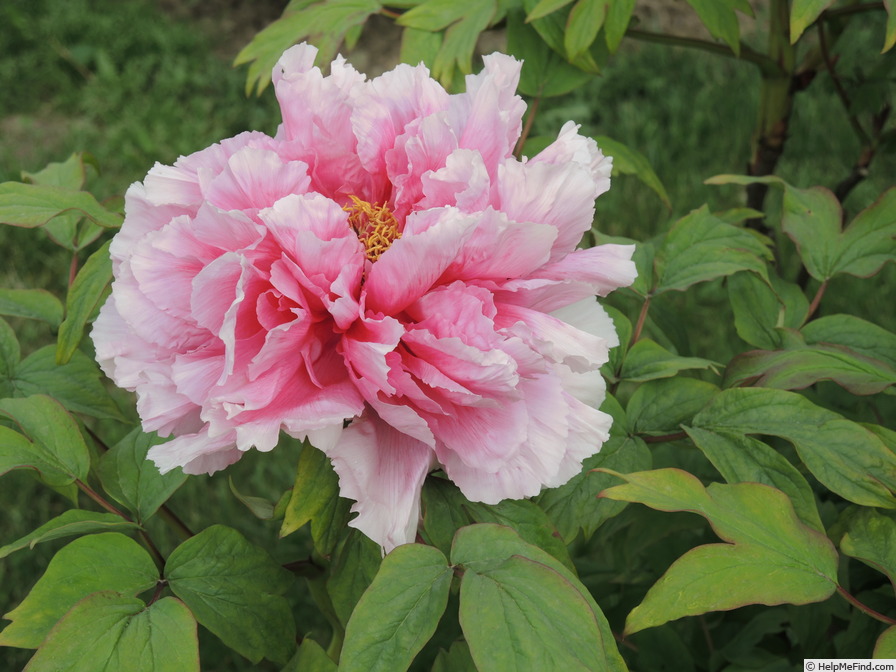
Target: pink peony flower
[(383, 260)]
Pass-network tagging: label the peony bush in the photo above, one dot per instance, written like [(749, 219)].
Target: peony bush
[(407, 294)]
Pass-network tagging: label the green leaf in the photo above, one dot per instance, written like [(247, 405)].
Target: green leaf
[(799, 367), (743, 459), (618, 17), (624, 330), (545, 73), (583, 24), (760, 309), (10, 353), (526, 519), (352, 572), (77, 384), (871, 537), (484, 548), (235, 589), (434, 15), (33, 205), (628, 161), (456, 659), (108, 631), (56, 448), (574, 505), (853, 332), (460, 40), (552, 29), (662, 406), (812, 219), (719, 18), (134, 481), (70, 173), (889, 41), (325, 22), (310, 657), (315, 498), (108, 561), (844, 456), (771, 558), (886, 644), (524, 615), (83, 301), (73, 522), (34, 304), (419, 46), (399, 612), (444, 512), (261, 508), (545, 7), (803, 14), (701, 247), (647, 360)]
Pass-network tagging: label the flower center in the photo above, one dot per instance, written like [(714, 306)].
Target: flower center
[(374, 224)]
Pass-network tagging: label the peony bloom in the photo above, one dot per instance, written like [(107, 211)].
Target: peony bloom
[(382, 277)]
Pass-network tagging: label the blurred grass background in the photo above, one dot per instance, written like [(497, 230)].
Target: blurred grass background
[(136, 81)]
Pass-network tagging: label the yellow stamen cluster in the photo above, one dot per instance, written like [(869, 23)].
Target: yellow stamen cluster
[(374, 224)]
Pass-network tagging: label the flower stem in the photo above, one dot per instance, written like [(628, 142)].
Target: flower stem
[(767, 66), (864, 607), (817, 299), (530, 119), (640, 324)]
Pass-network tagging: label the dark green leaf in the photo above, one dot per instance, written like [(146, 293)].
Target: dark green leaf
[(871, 537), (444, 512), (56, 448), (98, 562), (799, 367), (10, 353), (854, 333), (812, 218), (33, 205), (526, 519), (310, 658), (261, 508), (647, 360), (772, 557), (760, 310), (545, 73), (460, 40), (628, 161), (889, 41), (419, 46), (109, 631), (399, 612), (84, 299), (702, 247), (134, 481), (661, 406), (76, 384), (575, 505), (35, 304), (803, 14), (73, 522), (552, 29), (847, 458), (354, 569), (235, 589), (486, 547), (743, 459), (456, 659), (315, 498)]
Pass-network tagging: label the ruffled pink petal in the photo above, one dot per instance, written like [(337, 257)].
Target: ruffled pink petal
[(197, 453), (383, 471), (463, 182), (254, 179)]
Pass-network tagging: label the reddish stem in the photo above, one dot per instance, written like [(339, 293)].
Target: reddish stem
[(817, 299), (641, 318), (865, 608), (533, 110)]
